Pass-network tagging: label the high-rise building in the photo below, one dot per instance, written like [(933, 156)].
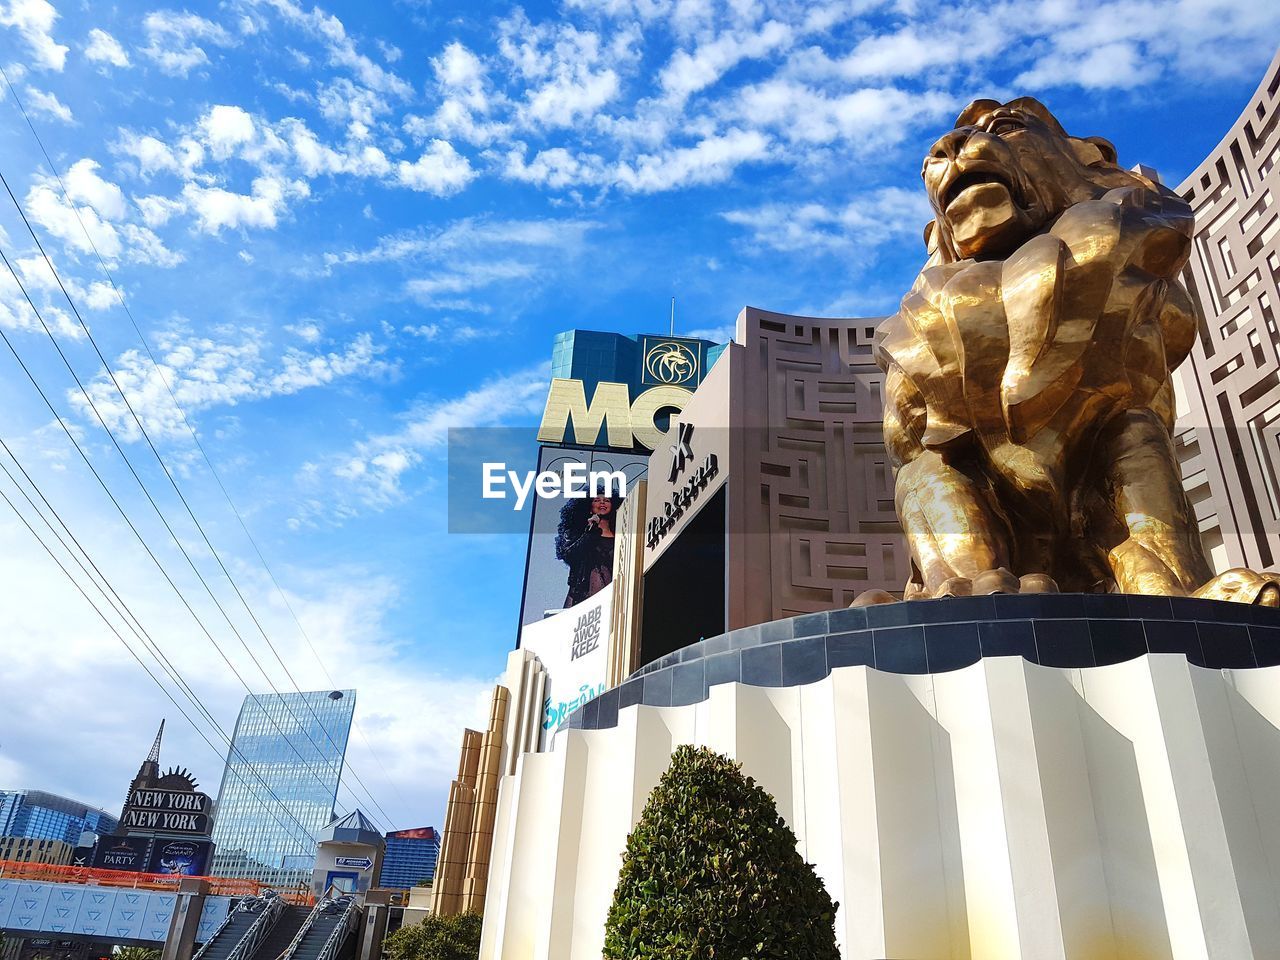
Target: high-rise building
[(1229, 388), (410, 858), (47, 816), (32, 850), (280, 784)]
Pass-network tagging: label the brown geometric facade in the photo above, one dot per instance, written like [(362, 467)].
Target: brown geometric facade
[(462, 868), (1229, 388), (812, 505)]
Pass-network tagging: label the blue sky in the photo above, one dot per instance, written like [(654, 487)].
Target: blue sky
[(343, 229)]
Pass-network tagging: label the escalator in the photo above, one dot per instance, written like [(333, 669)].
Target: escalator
[(267, 928), (282, 934), (245, 928), (328, 933)]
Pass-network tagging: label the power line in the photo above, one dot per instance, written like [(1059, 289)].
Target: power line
[(195, 700), (128, 616), (195, 438), (157, 653), (155, 507), (178, 491)]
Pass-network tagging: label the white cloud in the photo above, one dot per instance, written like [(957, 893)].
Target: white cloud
[(34, 20), (460, 72), (377, 465), (440, 170), (82, 228), (99, 295), (217, 209), (316, 158), (466, 100), (1112, 65), (711, 160), (46, 206), (152, 155), (569, 73), (173, 40), (890, 215), (308, 331), (205, 373), (557, 168), (340, 47), (144, 246), (226, 128), (15, 312), (866, 119), (104, 48), (86, 186), (158, 210), (687, 73), (465, 277), (343, 101), (48, 105), (557, 235)]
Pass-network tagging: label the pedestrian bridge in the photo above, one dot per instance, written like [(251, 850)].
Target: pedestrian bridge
[(31, 907)]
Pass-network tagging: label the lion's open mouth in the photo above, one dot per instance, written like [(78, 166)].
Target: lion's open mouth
[(972, 179)]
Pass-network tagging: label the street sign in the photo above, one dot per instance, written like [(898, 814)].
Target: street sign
[(360, 863)]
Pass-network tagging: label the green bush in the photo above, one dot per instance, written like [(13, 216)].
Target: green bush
[(712, 871), (437, 938)]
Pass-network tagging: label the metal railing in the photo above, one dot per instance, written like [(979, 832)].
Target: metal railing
[(333, 899), (271, 907)]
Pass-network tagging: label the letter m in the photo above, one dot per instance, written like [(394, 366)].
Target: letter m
[(611, 407)]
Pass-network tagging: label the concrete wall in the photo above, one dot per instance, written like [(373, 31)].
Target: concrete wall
[(1001, 811), (1229, 388)]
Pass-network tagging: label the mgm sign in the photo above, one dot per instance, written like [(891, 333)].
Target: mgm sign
[(626, 424), (668, 370)]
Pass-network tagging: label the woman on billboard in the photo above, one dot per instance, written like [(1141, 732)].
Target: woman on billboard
[(585, 542)]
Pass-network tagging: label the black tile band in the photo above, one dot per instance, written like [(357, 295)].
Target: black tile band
[(935, 636)]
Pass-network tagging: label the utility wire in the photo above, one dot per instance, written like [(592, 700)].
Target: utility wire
[(195, 701), (204, 455), (102, 420), (339, 754), (122, 609)]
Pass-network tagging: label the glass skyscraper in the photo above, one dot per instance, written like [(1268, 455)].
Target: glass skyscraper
[(291, 745), (409, 858), (47, 816)]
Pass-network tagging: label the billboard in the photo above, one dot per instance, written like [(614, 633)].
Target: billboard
[(122, 853), (571, 542), (167, 811), (573, 647), (185, 858)]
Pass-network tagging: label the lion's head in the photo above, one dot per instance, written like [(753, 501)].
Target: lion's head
[(1005, 173)]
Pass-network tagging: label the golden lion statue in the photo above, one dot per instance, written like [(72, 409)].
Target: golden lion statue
[(1029, 401)]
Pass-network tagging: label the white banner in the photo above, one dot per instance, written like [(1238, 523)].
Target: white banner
[(573, 647)]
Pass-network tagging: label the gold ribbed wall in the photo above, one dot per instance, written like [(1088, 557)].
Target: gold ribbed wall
[(628, 586), (488, 775), (455, 843)]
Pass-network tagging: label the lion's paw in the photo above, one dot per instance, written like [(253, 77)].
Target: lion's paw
[(1242, 585), (983, 584)]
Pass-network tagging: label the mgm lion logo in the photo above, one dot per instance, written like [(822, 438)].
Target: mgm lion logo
[(671, 362), (1029, 399)]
